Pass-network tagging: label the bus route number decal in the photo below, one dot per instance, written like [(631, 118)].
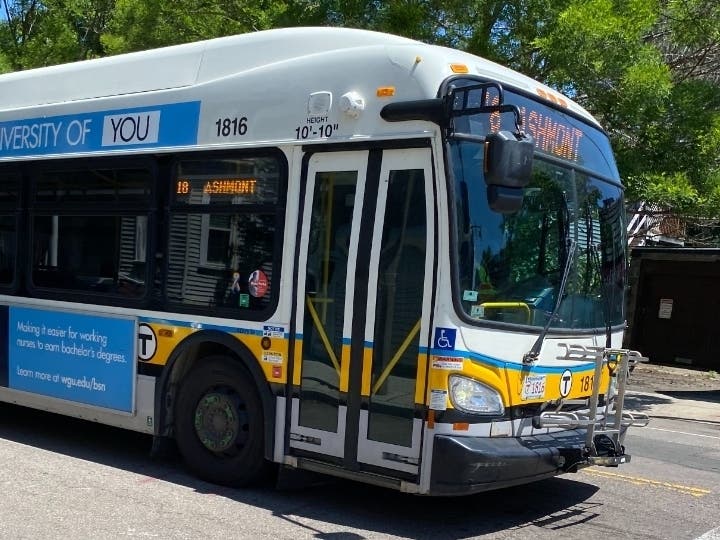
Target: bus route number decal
[(231, 126)]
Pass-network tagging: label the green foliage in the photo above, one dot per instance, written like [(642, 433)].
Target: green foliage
[(143, 24), (694, 23), (673, 160), (596, 53), (5, 65), (50, 32)]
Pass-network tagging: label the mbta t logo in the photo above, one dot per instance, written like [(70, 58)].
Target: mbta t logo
[(565, 383), (147, 343)]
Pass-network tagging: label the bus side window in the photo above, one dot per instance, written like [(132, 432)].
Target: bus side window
[(8, 232), (88, 229), (224, 228), (9, 199)]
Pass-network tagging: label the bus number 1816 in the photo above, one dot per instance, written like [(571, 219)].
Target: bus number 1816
[(229, 127)]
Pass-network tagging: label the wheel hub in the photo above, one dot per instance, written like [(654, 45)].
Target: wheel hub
[(217, 422)]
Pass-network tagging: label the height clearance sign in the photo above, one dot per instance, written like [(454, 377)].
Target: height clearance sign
[(166, 125)]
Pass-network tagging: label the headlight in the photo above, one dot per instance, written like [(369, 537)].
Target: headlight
[(474, 397)]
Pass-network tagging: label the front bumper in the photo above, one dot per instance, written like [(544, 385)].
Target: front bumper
[(465, 465)]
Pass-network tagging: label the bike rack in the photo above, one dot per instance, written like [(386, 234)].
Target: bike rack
[(609, 420)]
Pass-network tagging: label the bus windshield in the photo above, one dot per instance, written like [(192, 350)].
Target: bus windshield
[(510, 266)]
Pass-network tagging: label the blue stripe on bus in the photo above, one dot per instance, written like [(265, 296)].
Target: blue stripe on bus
[(203, 326), (346, 342), (163, 125), (512, 366), (487, 360)]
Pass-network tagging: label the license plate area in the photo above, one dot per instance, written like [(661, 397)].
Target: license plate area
[(533, 387)]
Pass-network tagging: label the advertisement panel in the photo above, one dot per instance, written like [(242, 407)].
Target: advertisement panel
[(88, 359)]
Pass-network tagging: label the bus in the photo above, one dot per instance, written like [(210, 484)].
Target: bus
[(321, 249)]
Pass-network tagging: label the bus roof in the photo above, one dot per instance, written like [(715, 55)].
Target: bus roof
[(265, 87), (204, 61), (177, 66)]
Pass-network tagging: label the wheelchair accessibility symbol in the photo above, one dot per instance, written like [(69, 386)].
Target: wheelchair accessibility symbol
[(445, 338)]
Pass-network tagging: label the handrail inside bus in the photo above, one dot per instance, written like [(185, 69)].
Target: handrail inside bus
[(323, 335), (512, 305), (401, 350)]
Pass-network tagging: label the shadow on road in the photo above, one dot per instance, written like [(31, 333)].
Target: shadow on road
[(712, 396), (644, 402), (553, 504)]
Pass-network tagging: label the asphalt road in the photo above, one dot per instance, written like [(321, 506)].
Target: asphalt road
[(64, 478)]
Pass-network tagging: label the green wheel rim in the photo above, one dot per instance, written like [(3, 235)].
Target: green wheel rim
[(221, 421)]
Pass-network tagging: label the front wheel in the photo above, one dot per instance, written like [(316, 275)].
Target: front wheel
[(219, 423)]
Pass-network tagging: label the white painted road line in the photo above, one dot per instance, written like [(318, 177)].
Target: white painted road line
[(684, 433), (710, 535)]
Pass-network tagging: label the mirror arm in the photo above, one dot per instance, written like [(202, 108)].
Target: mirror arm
[(433, 110)]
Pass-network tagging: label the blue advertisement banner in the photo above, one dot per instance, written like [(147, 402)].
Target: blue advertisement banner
[(82, 358), (174, 124)]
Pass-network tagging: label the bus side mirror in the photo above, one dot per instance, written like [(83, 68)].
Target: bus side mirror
[(508, 169)]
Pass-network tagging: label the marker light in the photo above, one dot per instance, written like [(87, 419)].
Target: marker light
[(385, 91), (550, 97), (459, 68), (474, 397)]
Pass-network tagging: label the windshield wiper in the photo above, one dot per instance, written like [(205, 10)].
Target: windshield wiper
[(532, 355)]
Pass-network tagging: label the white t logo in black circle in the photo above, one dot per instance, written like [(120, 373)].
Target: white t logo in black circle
[(565, 383), (147, 342)]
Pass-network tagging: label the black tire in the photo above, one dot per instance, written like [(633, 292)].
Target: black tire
[(219, 425)]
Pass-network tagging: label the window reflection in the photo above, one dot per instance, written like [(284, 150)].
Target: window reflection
[(510, 265), (89, 230), (9, 197), (87, 253), (223, 240)]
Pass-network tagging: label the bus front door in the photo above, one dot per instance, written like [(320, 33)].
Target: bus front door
[(362, 309)]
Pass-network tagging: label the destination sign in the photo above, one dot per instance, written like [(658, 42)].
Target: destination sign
[(554, 131), (552, 134), (225, 186), (216, 189)]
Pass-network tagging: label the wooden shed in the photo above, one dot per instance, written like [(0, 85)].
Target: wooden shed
[(674, 305)]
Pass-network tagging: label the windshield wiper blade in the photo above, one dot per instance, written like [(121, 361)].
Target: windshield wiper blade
[(532, 355)]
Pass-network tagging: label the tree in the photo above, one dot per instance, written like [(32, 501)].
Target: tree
[(651, 74), (44, 32), (144, 24)]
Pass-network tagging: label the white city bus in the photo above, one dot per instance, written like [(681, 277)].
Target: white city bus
[(329, 249)]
